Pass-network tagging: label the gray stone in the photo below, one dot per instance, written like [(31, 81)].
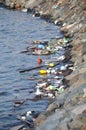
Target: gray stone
[(79, 109), (7, 2), (52, 107), (51, 121), (32, 3)]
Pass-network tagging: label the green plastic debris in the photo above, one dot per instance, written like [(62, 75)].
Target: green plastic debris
[(63, 43), (49, 48), (60, 90), (51, 87), (54, 52), (66, 40)]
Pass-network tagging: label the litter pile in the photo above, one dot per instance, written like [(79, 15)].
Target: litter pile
[(51, 73), (48, 47), (55, 67)]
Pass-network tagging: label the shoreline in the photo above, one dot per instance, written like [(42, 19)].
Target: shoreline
[(68, 112)]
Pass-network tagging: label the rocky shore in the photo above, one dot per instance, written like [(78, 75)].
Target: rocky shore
[(68, 111)]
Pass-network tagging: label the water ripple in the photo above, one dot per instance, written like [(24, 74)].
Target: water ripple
[(17, 30)]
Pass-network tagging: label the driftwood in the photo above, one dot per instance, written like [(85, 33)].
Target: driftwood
[(17, 127), (42, 52), (18, 103), (32, 51), (42, 42), (31, 78), (42, 78), (28, 49), (37, 67), (27, 122)]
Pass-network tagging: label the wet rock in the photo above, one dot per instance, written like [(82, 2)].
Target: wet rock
[(41, 118), (46, 16), (52, 107), (36, 14)]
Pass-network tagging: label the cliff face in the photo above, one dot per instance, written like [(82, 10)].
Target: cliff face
[(69, 111)]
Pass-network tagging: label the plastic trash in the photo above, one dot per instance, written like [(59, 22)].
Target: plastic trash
[(41, 85), (60, 90), (66, 40), (48, 48), (48, 71), (61, 57), (38, 92), (53, 71), (59, 81), (40, 46), (28, 113), (23, 118), (51, 87), (59, 77), (43, 71), (24, 10), (50, 95), (63, 67), (39, 60), (51, 64)]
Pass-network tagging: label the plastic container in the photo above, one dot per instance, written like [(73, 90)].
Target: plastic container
[(60, 90), (40, 46), (39, 61), (51, 64), (43, 71)]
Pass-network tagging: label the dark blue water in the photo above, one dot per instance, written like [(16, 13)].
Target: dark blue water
[(17, 30)]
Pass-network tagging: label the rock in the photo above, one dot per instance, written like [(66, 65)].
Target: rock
[(63, 126), (7, 2), (82, 70), (67, 27), (52, 107), (79, 109), (45, 16), (51, 122), (17, 6), (32, 3), (41, 118), (78, 122), (75, 124), (78, 48), (12, 5)]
